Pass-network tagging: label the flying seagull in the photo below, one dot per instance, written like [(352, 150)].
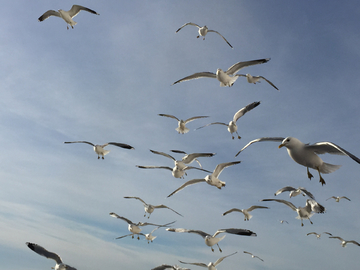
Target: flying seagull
[(344, 242), (232, 127), (50, 255), (182, 129), (203, 31), (134, 228), (318, 235), (211, 240), (177, 172), (167, 266), (149, 208), (211, 179), (210, 265), (148, 236), (189, 158), (247, 215), (337, 198), (307, 154), (99, 149), (253, 256), (305, 212), (226, 78), (255, 79), (294, 192), (66, 15)]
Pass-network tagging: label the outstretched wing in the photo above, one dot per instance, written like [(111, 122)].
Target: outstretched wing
[(119, 217), (222, 258), (181, 230), (263, 139), (244, 110), (331, 148), (221, 36), (236, 67), (197, 76), (188, 183), (193, 118), (43, 252), (75, 9), (164, 206), (198, 264), (235, 231), (163, 154), (122, 145), (154, 167), (215, 123), (81, 142), (137, 198), (169, 115), (269, 82), (220, 167), (293, 207), (256, 207), (232, 210), (189, 23), (47, 14)]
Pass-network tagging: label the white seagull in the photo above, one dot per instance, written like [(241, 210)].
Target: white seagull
[(203, 31), (253, 256), (211, 240), (66, 15), (168, 266), (294, 192), (307, 154), (189, 158), (210, 265), (344, 242), (247, 215), (134, 228), (182, 129), (305, 212), (148, 236), (149, 208), (318, 235), (211, 179), (50, 255), (99, 149), (232, 127), (226, 78), (255, 79), (337, 198)]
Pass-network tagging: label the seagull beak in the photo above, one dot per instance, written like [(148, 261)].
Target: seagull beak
[(281, 145)]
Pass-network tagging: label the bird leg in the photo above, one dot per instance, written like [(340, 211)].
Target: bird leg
[(310, 221), (98, 157), (232, 136), (212, 249), (102, 157), (322, 181), (197, 36), (302, 224), (238, 135), (138, 237), (219, 248), (132, 236), (309, 174)]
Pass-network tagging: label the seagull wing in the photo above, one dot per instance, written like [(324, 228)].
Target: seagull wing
[(81, 142), (344, 197), (169, 115), (215, 123), (354, 242), (236, 67), (200, 169), (163, 267), (328, 233), (235, 231), (163, 154), (308, 193), (331, 148), (244, 110), (222, 258), (43, 252), (263, 139), (232, 210), (220, 167), (122, 145), (220, 36), (47, 14), (181, 230), (137, 198), (75, 9), (284, 189), (256, 207), (127, 235), (293, 207), (154, 167), (119, 217), (315, 206), (312, 233), (198, 264), (197, 76), (178, 151), (337, 237), (191, 157), (188, 183), (193, 118), (332, 197), (164, 206), (189, 23), (269, 82)]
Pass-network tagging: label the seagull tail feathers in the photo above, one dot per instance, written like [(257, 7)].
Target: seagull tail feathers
[(328, 168), (186, 130), (106, 152)]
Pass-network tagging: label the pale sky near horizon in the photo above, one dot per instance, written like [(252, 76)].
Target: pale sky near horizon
[(109, 78)]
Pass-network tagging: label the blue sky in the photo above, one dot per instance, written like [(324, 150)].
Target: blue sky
[(109, 78)]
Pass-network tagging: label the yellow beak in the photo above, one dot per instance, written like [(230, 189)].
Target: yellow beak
[(281, 145)]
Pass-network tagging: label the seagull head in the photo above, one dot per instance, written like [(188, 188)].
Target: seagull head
[(290, 142)]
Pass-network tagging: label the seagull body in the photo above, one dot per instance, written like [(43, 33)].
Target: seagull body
[(211, 179), (294, 192), (134, 228), (66, 15), (226, 78), (344, 242), (50, 255), (211, 240), (232, 127), (182, 129), (318, 235), (203, 31), (305, 212), (99, 149), (337, 198), (148, 236), (307, 154), (167, 266), (149, 208), (210, 265), (247, 215), (189, 158), (255, 79), (253, 256)]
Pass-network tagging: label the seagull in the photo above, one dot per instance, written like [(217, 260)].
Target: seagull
[(255, 79), (295, 191), (307, 154), (182, 129), (305, 212), (148, 236), (318, 235), (211, 179), (232, 127), (189, 158), (337, 199), (167, 266), (177, 172), (210, 265), (344, 242), (134, 228), (211, 240), (253, 256), (99, 149), (50, 255), (282, 221), (226, 78), (246, 213), (66, 15), (150, 208), (203, 31)]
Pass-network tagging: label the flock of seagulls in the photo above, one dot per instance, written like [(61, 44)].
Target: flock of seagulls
[(301, 153)]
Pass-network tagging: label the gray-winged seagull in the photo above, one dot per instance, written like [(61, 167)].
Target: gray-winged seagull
[(182, 129), (210, 265)]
